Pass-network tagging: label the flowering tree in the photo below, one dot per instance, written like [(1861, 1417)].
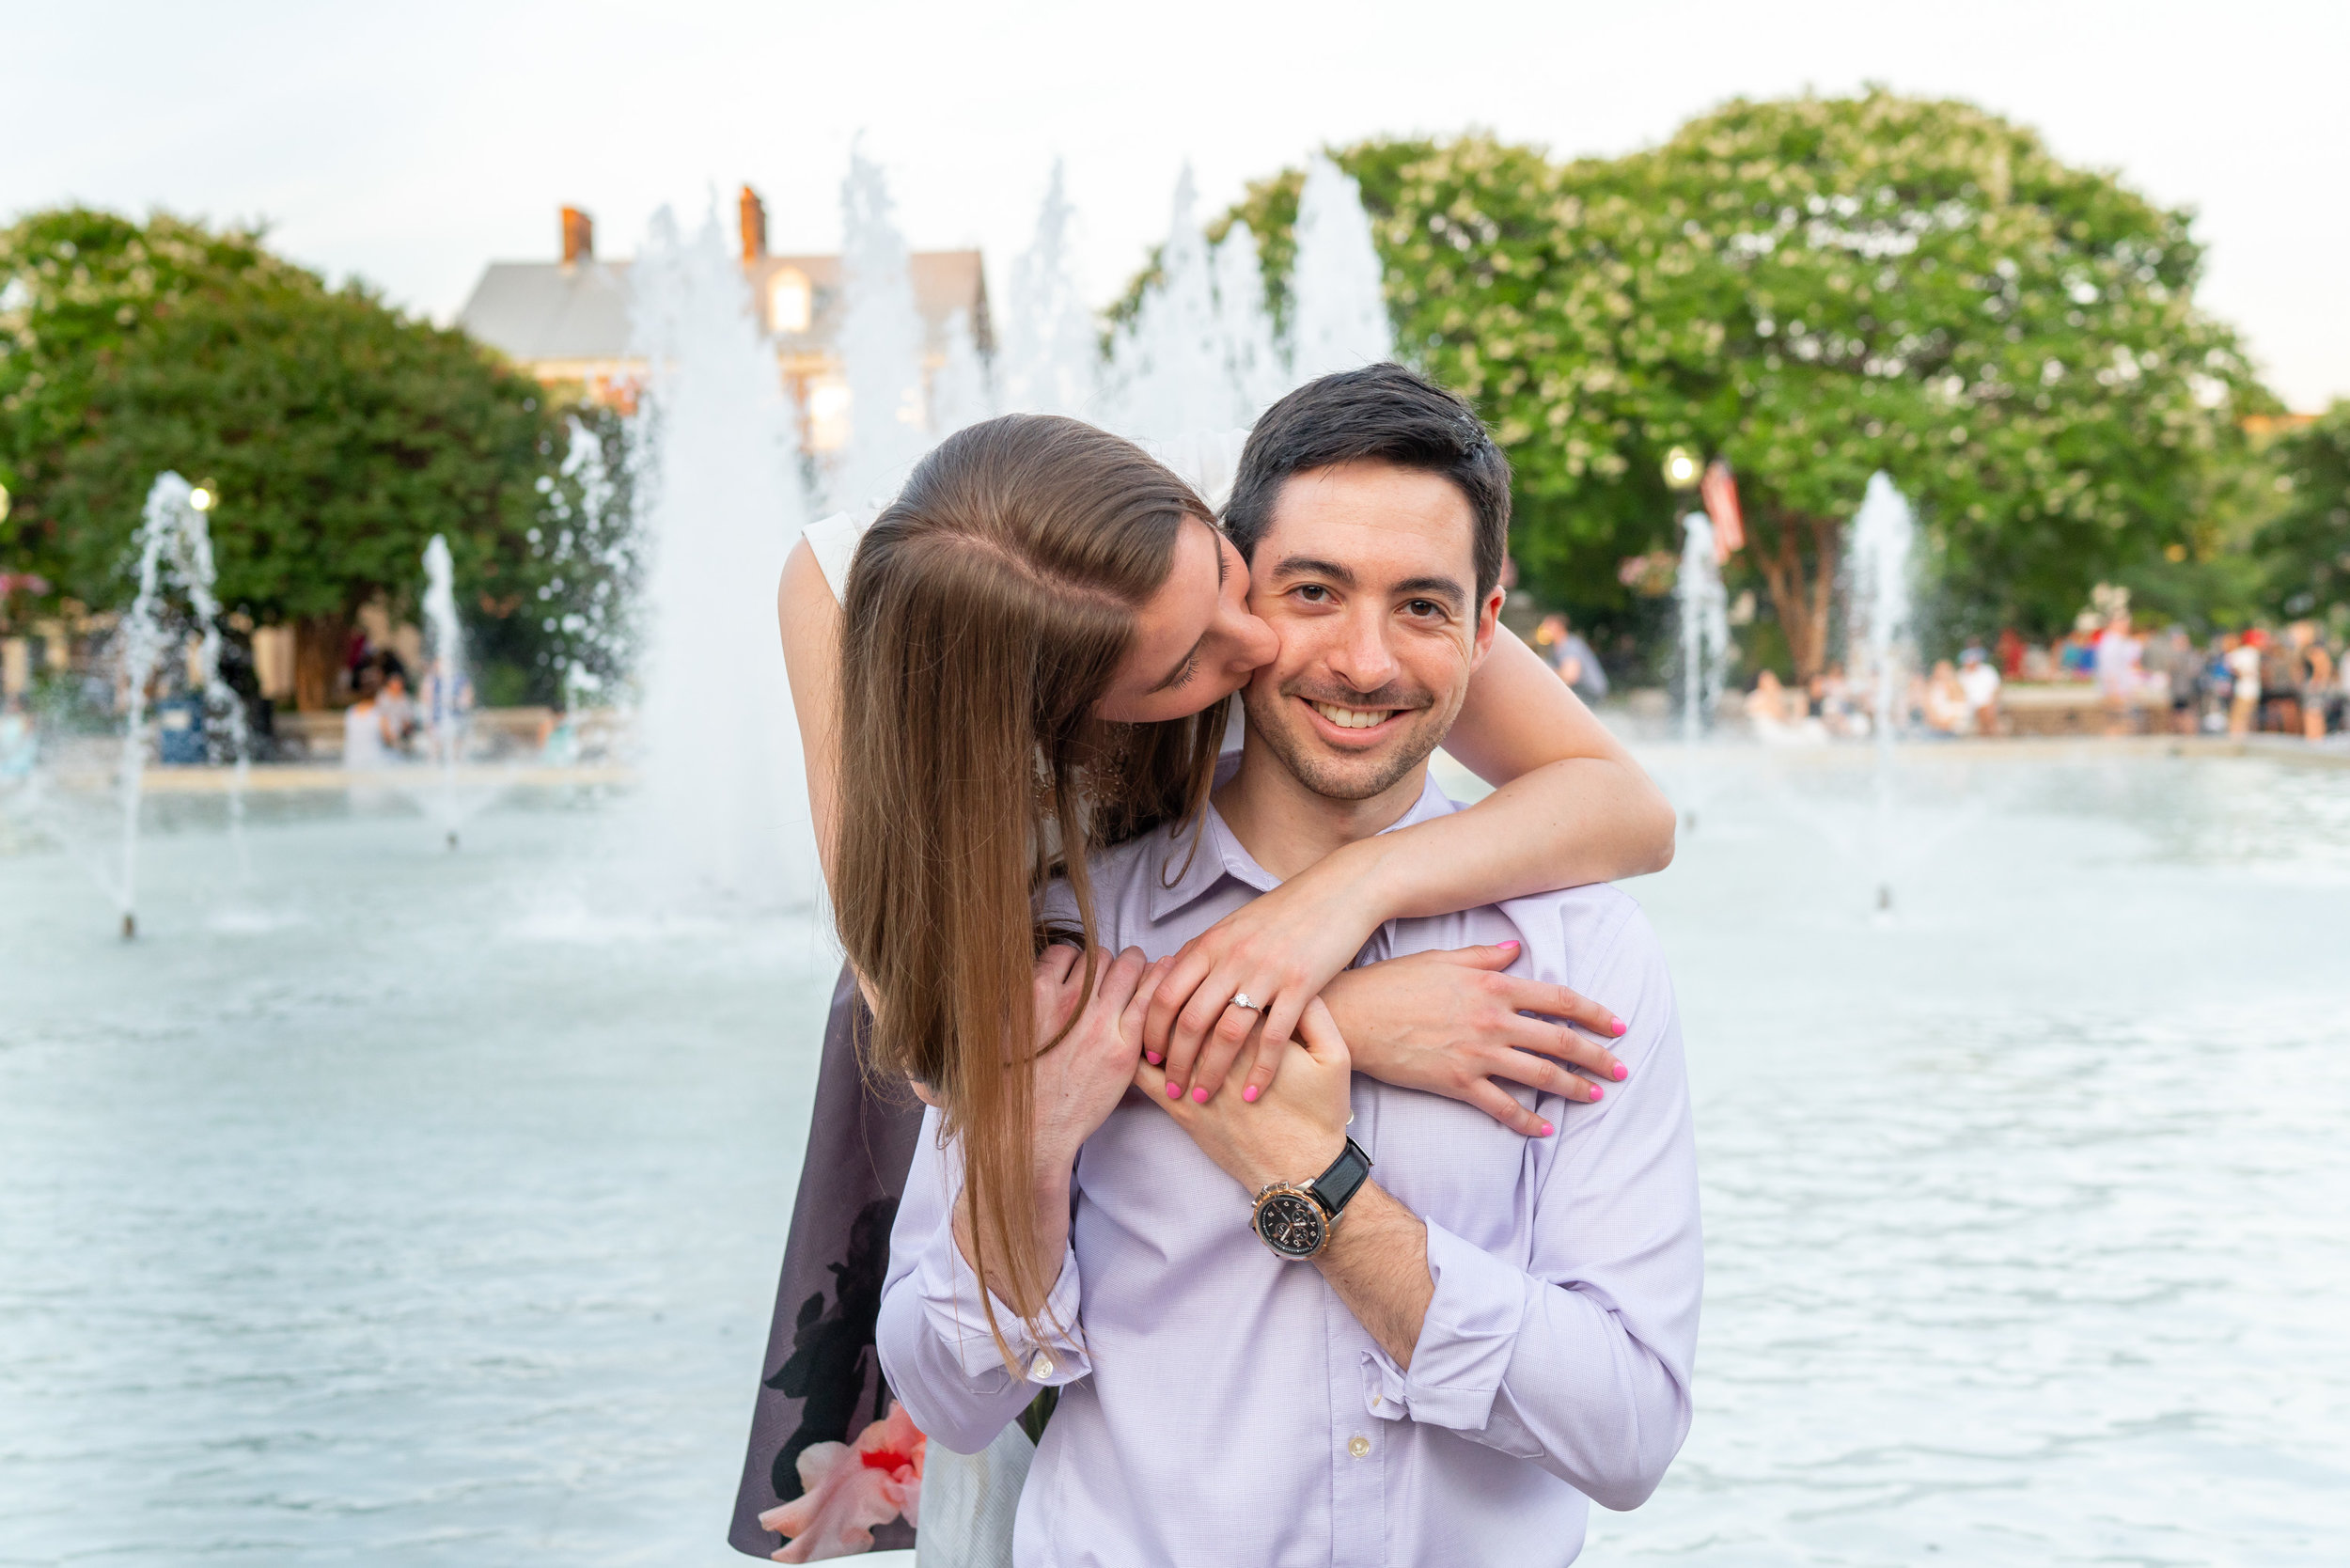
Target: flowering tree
[(1816, 288)]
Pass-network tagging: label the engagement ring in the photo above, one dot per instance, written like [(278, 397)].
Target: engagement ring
[(1241, 1001)]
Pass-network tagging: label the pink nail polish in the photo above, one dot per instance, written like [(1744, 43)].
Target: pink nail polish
[(1152, 1058), (1615, 1026), (1249, 1094), (1598, 1093), (1509, 947), (1174, 1089), (1623, 1072), (1199, 1095), (1548, 1129)]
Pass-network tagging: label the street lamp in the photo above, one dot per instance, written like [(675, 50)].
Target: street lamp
[(1681, 469)]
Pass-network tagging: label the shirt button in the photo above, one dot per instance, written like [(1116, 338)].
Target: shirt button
[(1378, 1400), (1359, 1447), (1041, 1366)]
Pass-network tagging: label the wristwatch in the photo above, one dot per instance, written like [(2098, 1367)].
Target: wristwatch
[(1295, 1221)]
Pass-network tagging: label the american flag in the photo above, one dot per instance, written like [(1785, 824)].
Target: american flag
[(1720, 491)]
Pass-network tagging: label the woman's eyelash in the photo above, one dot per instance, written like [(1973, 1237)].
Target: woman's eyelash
[(1191, 667)]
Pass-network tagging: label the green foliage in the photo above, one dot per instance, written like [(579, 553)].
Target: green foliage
[(2305, 547), (338, 434), (1817, 289)]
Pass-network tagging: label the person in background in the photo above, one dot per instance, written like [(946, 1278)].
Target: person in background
[(1945, 702), (367, 739), (1979, 684), (2182, 666), (2011, 649), (2314, 677), (2243, 660), (2118, 657), (399, 712), (1572, 657)]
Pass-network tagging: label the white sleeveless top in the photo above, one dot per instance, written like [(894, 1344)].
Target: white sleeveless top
[(1208, 462)]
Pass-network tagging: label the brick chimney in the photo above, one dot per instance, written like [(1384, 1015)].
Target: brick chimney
[(753, 226), (579, 236)]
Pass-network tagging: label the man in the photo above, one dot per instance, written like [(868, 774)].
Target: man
[(1979, 680), (1492, 1329)]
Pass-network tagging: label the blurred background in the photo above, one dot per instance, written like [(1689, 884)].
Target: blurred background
[(1932, 434)]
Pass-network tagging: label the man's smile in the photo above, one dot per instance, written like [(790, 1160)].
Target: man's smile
[(1350, 725)]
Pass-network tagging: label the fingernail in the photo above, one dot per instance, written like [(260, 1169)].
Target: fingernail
[(1199, 1095), (1623, 1072), (1174, 1089), (1509, 947), (1548, 1129), (1615, 1026), (1598, 1093), (1152, 1058), (1249, 1094)]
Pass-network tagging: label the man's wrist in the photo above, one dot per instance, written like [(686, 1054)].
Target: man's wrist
[(1295, 1166)]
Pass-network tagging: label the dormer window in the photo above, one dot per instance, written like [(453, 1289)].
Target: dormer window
[(789, 301)]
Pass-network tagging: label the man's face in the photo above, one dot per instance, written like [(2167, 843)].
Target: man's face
[(1366, 571)]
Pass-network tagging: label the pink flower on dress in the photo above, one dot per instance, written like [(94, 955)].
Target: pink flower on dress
[(851, 1489)]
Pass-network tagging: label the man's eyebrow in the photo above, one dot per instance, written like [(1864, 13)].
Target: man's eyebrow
[(1314, 566), (1446, 588)]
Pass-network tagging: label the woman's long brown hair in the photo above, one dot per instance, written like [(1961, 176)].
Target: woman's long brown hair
[(987, 612)]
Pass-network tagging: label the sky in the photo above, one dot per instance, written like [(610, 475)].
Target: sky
[(411, 145)]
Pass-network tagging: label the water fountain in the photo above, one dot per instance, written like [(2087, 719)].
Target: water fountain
[(721, 804), (880, 342), (1338, 309), (1877, 649), (1171, 369), (175, 548), (1252, 358), (446, 692), (1049, 361), (1704, 627)]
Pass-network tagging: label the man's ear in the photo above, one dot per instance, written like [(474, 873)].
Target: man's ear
[(1488, 617)]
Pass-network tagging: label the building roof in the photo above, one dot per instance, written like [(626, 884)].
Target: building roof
[(540, 311)]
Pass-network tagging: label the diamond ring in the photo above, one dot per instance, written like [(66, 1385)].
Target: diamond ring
[(1243, 1002)]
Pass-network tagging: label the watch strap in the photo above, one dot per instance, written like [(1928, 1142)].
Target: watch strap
[(1335, 1187)]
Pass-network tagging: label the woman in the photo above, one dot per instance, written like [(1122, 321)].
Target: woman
[(1040, 637)]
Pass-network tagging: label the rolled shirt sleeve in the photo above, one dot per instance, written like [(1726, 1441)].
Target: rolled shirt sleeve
[(932, 1334), (1581, 1359)]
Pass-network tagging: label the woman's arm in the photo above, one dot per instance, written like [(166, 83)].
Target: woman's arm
[(1571, 807), (810, 618)]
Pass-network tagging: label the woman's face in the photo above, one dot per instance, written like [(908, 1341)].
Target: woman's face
[(1194, 642)]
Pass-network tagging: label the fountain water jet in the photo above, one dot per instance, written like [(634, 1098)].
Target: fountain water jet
[(1049, 361), (174, 545), (1882, 535), (722, 799), (444, 674), (1704, 627), (880, 341), (1338, 309)]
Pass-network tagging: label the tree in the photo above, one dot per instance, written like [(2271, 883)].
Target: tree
[(338, 434), (1816, 288), (2305, 544)]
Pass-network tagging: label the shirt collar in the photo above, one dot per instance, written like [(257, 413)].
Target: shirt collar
[(1193, 861)]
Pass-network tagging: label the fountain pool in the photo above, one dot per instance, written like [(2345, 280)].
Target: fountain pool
[(427, 1209)]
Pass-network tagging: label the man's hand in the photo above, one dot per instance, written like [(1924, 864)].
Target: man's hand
[(1292, 1131), (1449, 1021)]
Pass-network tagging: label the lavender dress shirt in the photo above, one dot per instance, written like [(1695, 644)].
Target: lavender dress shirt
[(1221, 1406)]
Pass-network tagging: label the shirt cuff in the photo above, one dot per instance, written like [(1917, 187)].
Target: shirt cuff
[(1466, 1342), (957, 1309)]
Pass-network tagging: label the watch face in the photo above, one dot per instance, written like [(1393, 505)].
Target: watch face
[(1291, 1224)]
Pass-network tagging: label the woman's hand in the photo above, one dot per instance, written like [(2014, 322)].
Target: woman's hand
[(1449, 1022), (1289, 1133), (1079, 1081), (1278, 949)]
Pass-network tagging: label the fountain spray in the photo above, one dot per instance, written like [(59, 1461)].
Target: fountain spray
[(172, 534), (1704, 627), (1882, 534), (444, 650)]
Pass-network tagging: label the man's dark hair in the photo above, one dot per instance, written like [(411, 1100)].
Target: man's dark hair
[(1384, 414)]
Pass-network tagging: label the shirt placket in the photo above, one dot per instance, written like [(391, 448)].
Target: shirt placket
[(1358, 1444)]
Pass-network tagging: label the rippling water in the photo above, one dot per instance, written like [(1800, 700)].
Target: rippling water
[(403, 1207)]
